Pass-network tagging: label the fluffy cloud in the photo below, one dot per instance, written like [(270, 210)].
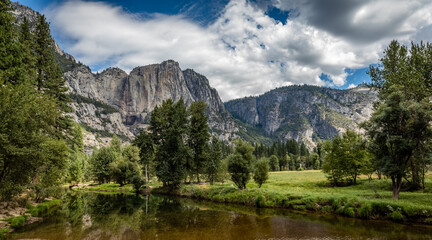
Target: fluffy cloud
[(244, 52)]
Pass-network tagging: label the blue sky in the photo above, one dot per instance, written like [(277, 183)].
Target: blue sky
[(244, 47)]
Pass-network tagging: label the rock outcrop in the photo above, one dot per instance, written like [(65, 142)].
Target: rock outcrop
[(305, 113), (133, 96)]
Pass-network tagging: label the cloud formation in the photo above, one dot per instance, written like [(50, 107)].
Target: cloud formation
[(244, 51)]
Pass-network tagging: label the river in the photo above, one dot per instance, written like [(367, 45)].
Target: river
[(119, 216)]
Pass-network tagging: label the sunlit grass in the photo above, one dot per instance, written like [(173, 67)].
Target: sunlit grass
[(310, 190)]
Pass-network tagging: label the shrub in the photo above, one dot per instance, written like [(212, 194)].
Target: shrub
[(349, 212), (366, 211), (17, 222), (138, 182), (260, 201), (397, 215)]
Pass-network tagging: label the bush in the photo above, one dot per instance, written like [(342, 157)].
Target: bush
[(138, 182), (349, 212), (397, 215), (3, 232), (17, 222), (260, 201), (261, 172), (366, 211)]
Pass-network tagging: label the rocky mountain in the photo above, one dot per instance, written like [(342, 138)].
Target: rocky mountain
[(304, 113), (116, 102)]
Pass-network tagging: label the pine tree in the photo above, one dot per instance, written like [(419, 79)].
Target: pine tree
[(12, 70), (147, 151), (49, 78), (214, 163), (198, 136), (169, 126)]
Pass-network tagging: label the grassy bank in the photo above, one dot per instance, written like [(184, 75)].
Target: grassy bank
[(309, 191), (34, 213)]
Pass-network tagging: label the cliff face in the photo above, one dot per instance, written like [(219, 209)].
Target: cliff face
[(305, 113), (134, 96)]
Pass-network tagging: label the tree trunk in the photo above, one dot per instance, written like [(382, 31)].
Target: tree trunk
[(396, 184), (415, 174), (146, 176), (198, 177)]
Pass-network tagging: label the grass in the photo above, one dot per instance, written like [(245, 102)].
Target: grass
[(110, 187), (3, 233), (44, 208), (309, 191)]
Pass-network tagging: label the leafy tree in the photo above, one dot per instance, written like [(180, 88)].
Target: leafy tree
[(407, 70), (274, 163), (239, 163), (138, 182), (126, 166), (283, 161), (261, 170), (31, 150), (198, 136), (214, 160), (396, 130), (100, 164), (146, 151), (169, 125), (346, 157)]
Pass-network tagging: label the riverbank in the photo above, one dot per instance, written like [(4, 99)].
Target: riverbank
[(309, 191), (22, 212)]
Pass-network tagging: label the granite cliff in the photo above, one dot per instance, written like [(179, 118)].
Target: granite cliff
[(121, 103), (304, 113)]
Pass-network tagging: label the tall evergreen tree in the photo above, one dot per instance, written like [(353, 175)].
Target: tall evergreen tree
[(49, 78), (169, 126), (147, 151), (198, 136)]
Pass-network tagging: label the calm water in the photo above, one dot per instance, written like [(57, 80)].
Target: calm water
[(99, 216)]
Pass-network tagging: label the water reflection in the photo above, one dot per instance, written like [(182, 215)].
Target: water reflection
[(118, 216)]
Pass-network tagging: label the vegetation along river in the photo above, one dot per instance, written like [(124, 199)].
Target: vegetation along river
[(119, 216)]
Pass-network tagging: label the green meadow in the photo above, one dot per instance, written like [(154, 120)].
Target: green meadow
[(310, 191)]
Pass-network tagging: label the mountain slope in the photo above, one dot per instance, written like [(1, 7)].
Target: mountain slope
[(304, 113), (135, 95)]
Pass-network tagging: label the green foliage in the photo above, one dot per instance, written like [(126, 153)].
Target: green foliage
[(3, 233), (213, 167), (273, 163), (198, 137), (396, 129), (169, 126), (261, 170), (399, 128), (34, 125), (345, 158), (239, 163), (44, 208), (138, 182), (100, 164), (17, 222), (146, 151)]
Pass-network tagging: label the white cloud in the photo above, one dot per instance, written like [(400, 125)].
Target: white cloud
[(244, 52)]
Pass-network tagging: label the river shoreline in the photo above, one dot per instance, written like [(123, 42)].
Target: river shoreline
[(341, 205)]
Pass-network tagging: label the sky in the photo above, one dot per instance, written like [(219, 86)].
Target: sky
[(244, 47)]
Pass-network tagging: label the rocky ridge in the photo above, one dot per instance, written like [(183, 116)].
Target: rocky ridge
[(116, 102), (305, 113)]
